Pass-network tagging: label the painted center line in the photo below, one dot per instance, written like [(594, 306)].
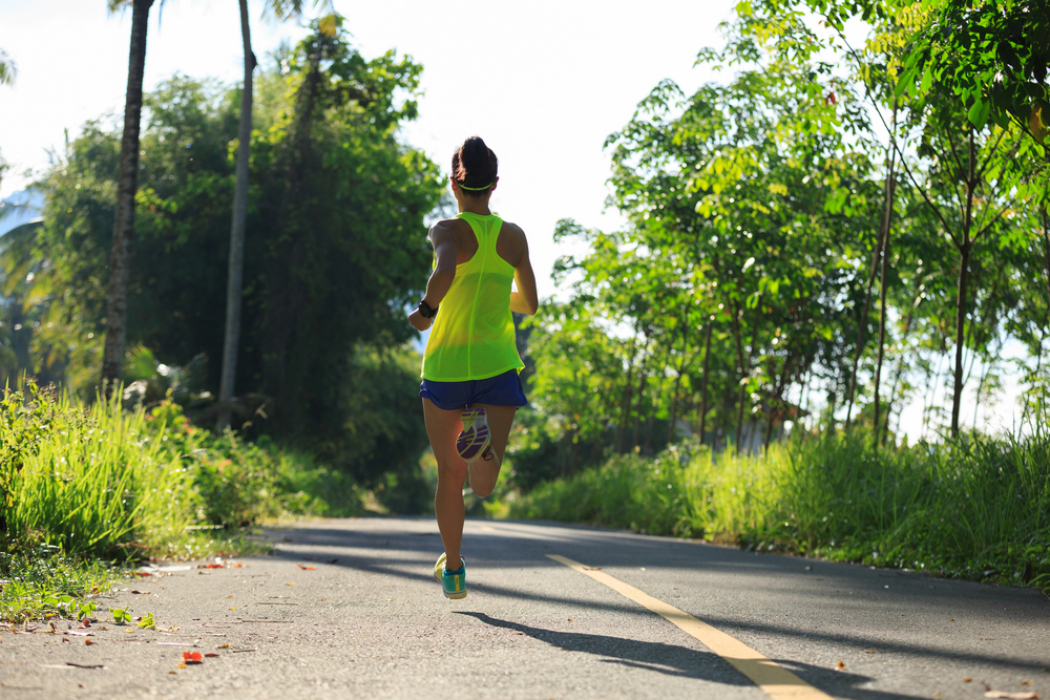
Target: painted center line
[(776, 681)]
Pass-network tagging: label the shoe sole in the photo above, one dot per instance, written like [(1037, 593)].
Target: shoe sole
[(474, 440)]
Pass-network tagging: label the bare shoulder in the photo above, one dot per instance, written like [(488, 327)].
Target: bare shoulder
[(513, 233), (446, 228)]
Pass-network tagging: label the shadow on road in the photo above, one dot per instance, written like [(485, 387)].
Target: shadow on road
[(682, 661), (524, 550)]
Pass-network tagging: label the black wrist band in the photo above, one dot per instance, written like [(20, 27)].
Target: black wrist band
[(425, 311)]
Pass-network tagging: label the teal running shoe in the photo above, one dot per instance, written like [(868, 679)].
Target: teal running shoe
[(453, 583)]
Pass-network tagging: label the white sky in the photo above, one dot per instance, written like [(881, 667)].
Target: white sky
[(543, 82)]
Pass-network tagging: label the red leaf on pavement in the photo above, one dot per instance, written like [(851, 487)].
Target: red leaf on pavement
[(192, 657), (305, 568)]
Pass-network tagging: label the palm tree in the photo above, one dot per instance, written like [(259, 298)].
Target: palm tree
[(281, 9), (8, 69), (124, 224)]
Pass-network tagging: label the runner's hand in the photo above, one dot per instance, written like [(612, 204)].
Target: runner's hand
[(418, 322)]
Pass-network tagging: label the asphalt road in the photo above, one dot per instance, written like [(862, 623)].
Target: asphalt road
[(369, 621)]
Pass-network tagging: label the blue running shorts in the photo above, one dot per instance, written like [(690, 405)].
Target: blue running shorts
[(502, 390)]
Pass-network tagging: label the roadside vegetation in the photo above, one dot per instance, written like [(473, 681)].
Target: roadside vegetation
[(829, 233), (86, 485), (975, 508)]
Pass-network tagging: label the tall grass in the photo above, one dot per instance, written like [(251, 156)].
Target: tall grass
[(103, 482), (977, 508), (91, 481)]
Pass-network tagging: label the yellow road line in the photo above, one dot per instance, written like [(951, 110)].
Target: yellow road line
[(776, 681)]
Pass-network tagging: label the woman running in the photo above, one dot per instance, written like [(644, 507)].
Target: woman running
[(471, 388)]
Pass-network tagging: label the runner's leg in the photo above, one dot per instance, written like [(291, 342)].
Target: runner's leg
[(484, 473), (443, 428)]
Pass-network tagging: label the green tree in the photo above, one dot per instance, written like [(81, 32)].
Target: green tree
[(282, 9), (335, 205)]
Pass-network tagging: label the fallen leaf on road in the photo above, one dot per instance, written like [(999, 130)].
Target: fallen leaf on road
[(869, 651), (182, 665), (967, 679), (223, 646), (70, 663), (840, 665), (89, 642), (174, 673), (192, 657), (305, 568), (209, 654), (289, 584), (211, 566), (65, 639), (237, 566), (1011, 696), (229, 596), (1026, 682)]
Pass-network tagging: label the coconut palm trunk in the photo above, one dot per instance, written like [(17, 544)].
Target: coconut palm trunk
[(240, 212), (124, 225)]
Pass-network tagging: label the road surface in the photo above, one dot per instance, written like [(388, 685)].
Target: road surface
[(349, 609)]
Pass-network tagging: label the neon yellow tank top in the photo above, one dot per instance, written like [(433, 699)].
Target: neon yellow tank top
[(473, 333)]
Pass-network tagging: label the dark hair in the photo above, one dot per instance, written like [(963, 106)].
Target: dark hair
[(474, 165)]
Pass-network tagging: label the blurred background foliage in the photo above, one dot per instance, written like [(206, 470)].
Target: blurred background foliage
[(336, 248)]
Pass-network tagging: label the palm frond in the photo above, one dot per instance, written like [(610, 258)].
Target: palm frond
[(8, 68)]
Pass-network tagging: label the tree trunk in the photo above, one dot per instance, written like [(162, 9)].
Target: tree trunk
[(887, 224), (124, 224), (960, 326), (774, 405), (961, 297), (625, 415), (678, 379), (743, 368), (862, 325), (642, 381), (703, 391), (240, 213), (880, 252), (882, 318)]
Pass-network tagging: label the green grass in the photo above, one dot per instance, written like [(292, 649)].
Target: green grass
[(977, 508), (85, 490)]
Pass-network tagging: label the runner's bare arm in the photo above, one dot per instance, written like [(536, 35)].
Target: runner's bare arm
[(441, 236), (526, 299)]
